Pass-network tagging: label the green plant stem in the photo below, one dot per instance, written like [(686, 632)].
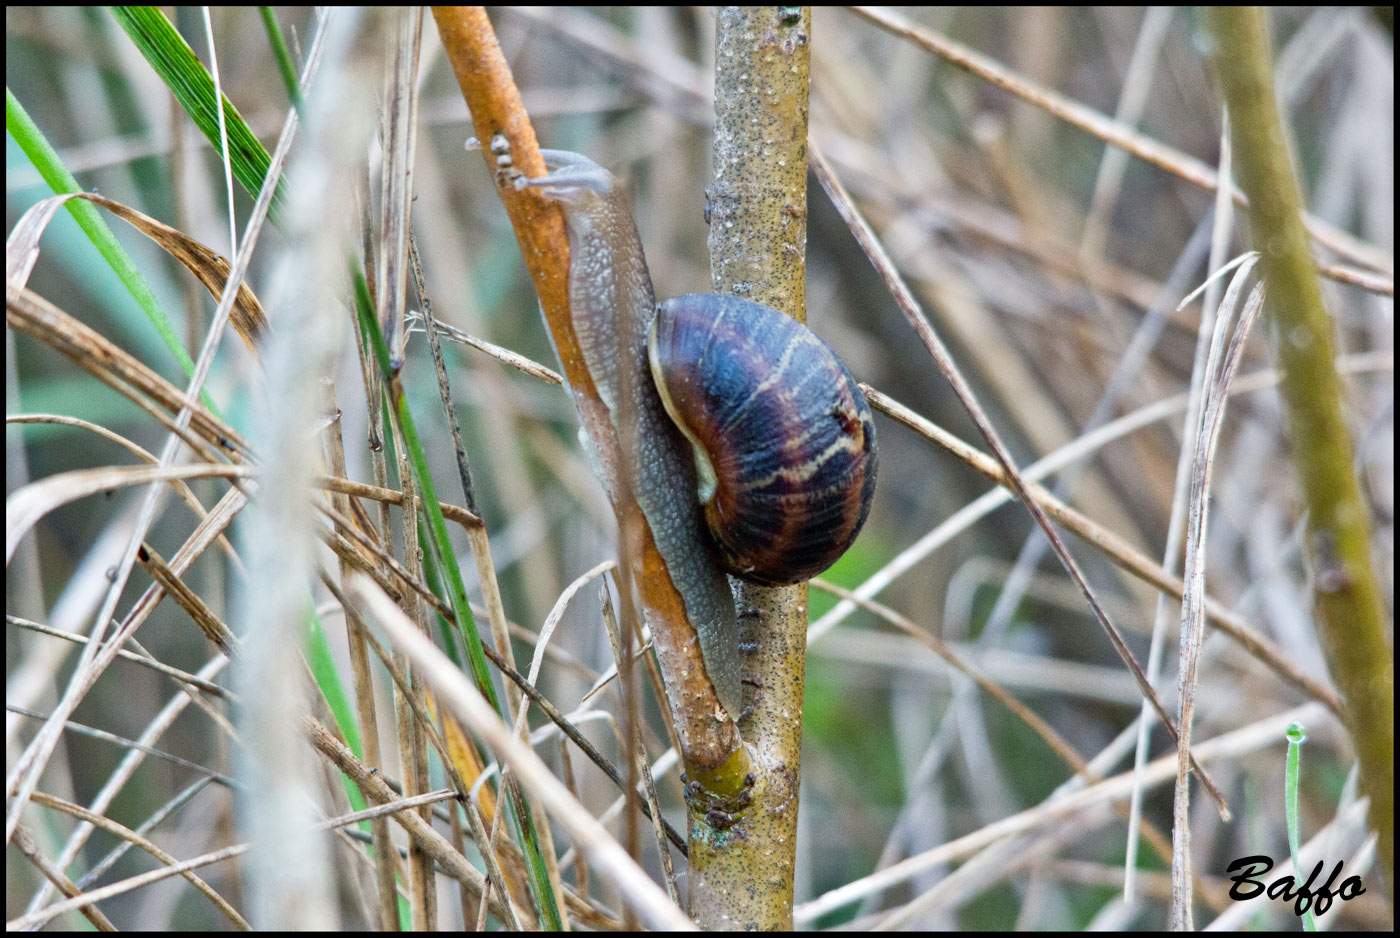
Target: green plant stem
[(1350, 612), (283, 55)]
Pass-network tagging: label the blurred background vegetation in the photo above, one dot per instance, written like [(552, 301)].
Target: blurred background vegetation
[(1053, 265)]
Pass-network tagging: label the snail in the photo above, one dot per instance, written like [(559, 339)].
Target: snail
[(750, 434)]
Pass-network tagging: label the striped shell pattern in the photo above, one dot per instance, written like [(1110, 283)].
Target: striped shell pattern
[(783, 439)]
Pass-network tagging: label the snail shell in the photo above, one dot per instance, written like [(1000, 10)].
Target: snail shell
[(783, 440)]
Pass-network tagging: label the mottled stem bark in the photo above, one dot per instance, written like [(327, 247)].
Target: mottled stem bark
[(742, 851)]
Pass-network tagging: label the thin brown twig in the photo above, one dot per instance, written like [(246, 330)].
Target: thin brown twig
[(29, 848), (459, 695), (914, 314), (527, 688), (1235, 742), (1107, 129), (415, 700), (1116, 549), (366, 709), (175, 674), (1057, 743), (125, 833)]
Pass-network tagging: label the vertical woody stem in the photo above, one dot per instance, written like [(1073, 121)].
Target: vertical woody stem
[(741, 875)]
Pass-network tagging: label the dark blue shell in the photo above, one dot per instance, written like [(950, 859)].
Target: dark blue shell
[(783, 437)]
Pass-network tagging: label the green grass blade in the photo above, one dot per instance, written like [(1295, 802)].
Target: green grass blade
[(522, 816), (283, 55), (36, 147), (166, 51), (437, 525)]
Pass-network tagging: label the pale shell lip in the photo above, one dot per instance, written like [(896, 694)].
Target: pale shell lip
[(708, 482)]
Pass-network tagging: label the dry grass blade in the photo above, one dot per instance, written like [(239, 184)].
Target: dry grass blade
[(461, 763), (184, 677), (22, 251), (566, 726), (914, 314), (1247, 739), (1047, 733), (1220, 370), (188, 600), (475, 798), (206, 434), (26, 507), (1114, 547), (1109, 130), (181, 488), (452, 862), (1084, 771), (551, 622), (503, 355), (639, 767), (366, 708), (522, 726), (134, 758), (456, 692), (1222, 226), (36, 919), (22, 781), (399, 134), (26, 845), (117, 830), (454, 865)]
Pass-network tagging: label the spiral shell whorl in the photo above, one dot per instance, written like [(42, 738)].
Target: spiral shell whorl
[(782, 434)]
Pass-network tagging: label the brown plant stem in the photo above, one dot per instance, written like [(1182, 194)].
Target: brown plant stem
[(711, 748)]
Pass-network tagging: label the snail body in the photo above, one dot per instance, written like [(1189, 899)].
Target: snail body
[(783, 440), (611, 304)]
